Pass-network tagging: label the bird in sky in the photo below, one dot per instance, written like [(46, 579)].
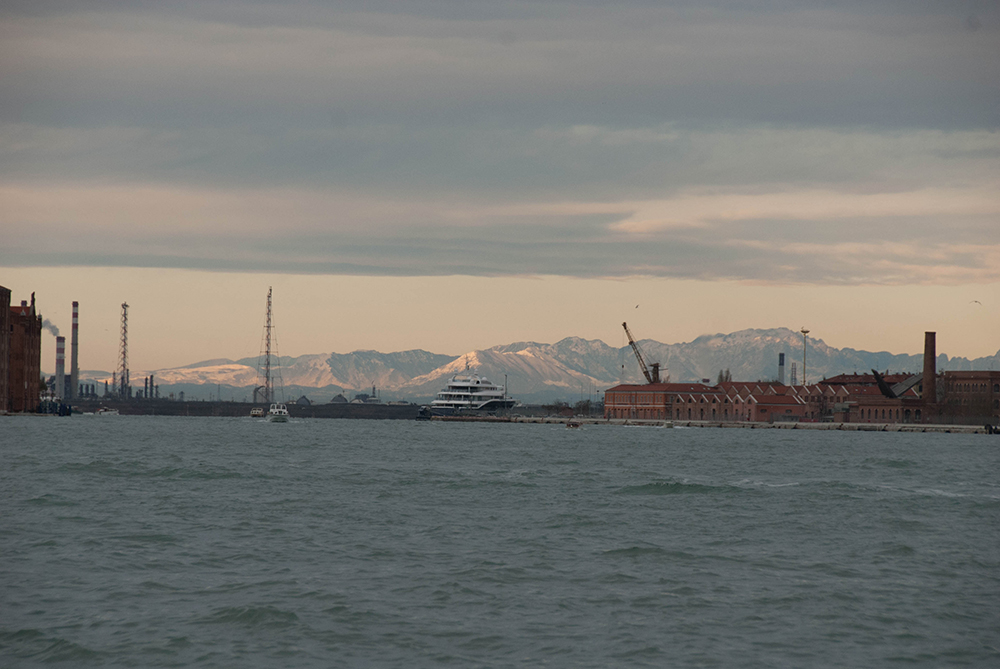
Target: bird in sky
[(976, 302)]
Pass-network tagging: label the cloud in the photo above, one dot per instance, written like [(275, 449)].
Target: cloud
[(842, 143)]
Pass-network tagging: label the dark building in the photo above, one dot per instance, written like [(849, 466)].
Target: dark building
[(4, 349), (971, 398), (25, 357)]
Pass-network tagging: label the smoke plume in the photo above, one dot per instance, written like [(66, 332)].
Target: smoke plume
[(51, 327)]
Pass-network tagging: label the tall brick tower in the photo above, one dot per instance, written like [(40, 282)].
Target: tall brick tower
[(930, 374), (74, 351)]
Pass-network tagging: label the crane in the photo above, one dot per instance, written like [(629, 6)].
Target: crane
[(651, 377)]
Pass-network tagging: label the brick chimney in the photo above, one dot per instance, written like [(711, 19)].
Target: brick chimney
[(930, 368)]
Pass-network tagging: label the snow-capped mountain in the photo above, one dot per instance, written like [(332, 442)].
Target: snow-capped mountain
[(570, 369)]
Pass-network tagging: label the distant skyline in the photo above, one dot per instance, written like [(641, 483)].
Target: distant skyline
[(455, 175), (179, 317)]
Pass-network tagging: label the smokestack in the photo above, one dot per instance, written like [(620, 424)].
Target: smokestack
[(930, 368), (60, 367), (781, 368), (74, 363)]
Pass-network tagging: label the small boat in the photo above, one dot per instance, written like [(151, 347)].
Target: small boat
[(278, 413), (257, 412), (572, 424), (104, 411)]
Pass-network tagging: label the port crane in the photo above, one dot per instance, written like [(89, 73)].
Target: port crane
[(651, 376)]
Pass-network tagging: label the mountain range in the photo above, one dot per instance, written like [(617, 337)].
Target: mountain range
[(569, 370)]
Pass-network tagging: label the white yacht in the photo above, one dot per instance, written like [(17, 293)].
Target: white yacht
[(471, 392), (278, 413)]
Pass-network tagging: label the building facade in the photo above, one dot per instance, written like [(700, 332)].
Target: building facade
[(4, 349), (25, 357)]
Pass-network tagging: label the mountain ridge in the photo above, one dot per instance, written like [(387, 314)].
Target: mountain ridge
[(570, 369)]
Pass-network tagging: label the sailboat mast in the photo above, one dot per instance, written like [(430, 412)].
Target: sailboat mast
[(268, 392)]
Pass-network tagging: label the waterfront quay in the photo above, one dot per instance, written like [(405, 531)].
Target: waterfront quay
[(745, 425), (163, 407)]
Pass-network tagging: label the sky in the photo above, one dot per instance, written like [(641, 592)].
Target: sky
[(457, 175)]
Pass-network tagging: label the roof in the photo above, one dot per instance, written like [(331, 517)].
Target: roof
[(665, 387), (777, 399), (864, 379)]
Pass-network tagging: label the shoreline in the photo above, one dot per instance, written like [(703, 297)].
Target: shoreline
[(632, 422)]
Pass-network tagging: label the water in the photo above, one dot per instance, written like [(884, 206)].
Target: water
[(213, 542)]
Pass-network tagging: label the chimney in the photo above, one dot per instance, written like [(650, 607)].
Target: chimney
[(60, 367), (74, 362), (781, 368), (930, 368)]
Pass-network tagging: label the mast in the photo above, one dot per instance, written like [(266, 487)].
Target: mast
[(268, 391), (805, 345), (123, 355)]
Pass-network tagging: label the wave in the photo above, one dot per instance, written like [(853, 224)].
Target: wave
[(636, 551), (124, 470), (35, 645), (51, 500), (252, 616), (677, 488)]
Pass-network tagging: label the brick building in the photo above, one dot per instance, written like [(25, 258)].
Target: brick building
[(969, 397), (928, 397), (24, 359), (4, 349)]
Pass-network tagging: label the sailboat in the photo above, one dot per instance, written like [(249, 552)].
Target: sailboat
[(278, 412)]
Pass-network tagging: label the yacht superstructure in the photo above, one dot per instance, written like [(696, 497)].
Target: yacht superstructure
[(471, 392)]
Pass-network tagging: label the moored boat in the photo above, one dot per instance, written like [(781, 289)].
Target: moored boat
[(471, 392)]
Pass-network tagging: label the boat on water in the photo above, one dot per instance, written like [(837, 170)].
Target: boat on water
[(278, 413), (104, 411), (471, 392), (257, 412)]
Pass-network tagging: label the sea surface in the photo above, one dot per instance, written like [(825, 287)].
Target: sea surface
[(215, 542)]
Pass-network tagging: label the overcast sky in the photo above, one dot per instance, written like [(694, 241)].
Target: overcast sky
[(736, 148)]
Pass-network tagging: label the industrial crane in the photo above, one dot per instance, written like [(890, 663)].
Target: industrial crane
[(651, 377)]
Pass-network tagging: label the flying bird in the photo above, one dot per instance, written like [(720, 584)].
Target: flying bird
[(637, 306), (976, 302)]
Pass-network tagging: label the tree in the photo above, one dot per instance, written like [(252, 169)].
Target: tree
[(556, 408)]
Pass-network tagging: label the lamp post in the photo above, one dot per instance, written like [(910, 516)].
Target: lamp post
[(805, 340)]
